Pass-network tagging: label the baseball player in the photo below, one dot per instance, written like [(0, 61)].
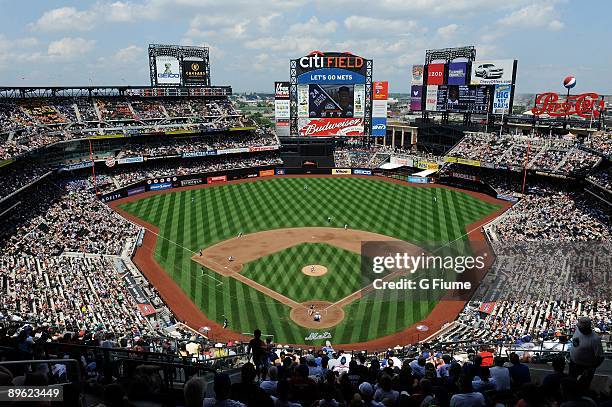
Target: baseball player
[(311, 310), (312, 269)]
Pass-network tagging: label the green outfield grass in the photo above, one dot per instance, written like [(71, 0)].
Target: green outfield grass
[(191, 220)]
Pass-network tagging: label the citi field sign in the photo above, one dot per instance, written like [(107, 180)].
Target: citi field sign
[(330, 67)]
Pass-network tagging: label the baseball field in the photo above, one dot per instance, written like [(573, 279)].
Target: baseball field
[(244, 251)]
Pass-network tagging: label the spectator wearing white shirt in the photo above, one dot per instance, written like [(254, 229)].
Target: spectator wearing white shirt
[(500, 374)]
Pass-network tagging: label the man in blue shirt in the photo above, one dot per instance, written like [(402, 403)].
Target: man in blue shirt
[(519, 373)]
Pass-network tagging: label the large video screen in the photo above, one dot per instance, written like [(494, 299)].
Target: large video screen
[(458, 98), (331, 101)]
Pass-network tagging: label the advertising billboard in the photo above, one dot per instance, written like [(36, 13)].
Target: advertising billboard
[(457, 73), (416, 98), (586, 105), (302, 100), (167, 70), (492, 72), (163, 185), (435, 74), (381, 90), (215, 179), (282, 128), (281, 90), (417, 75), (281, 109), (379, 108), (194, 73), (431, 98), (501, 99), (323, 127), (359, 100), (379, 126)]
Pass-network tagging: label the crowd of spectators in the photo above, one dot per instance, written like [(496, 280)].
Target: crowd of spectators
[(426, 375), (603, 178), (72, 293), (542, 153), (601, 143), (64, 218), (530, 321), (26, 125), (17, 175), (178, 146), (123, 176), (548, 213)]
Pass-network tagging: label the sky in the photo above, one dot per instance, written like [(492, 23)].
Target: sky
[(78, 43)]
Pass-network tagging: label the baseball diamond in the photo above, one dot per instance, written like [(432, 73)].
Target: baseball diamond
[(260, 289)]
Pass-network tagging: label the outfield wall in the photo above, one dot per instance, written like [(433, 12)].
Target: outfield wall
[(219, 177)]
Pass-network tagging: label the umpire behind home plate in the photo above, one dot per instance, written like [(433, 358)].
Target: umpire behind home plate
[(586, 353)]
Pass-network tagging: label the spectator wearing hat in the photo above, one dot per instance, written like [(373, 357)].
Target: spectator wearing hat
[(586, 352), (367, 393)]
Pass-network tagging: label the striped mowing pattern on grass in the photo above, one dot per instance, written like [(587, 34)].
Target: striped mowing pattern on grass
[(282, 272), (193, 219)]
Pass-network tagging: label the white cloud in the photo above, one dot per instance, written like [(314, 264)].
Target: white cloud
[(64, 18), (448, 30), (215, 25), (534, 16), (69, 47), (130, 53), (403, 8), (260, 62), (119, 11), (379, 25), (265, 22), (313, 27)]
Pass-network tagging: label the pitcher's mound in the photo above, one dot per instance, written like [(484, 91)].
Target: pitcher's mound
[(314, 270), (330, 315)]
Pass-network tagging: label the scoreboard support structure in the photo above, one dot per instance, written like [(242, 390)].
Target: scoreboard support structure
[(448, 55)]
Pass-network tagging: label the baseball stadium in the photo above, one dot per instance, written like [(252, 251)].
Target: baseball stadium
[(337, 238)]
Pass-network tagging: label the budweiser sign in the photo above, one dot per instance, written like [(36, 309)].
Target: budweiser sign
[(586, 105), (332, 127)]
